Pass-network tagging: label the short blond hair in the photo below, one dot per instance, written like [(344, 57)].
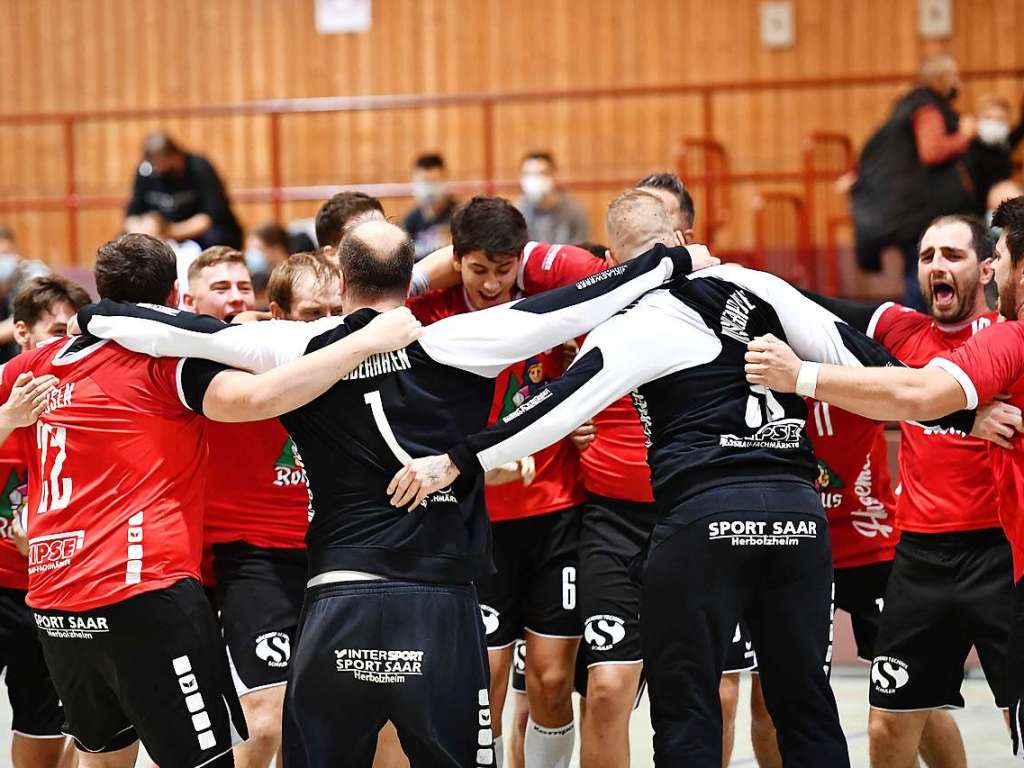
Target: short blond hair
[(212, 256), (281, 286), (636, 220)]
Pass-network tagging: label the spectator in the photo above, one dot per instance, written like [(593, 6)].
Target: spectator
[(185, 252), (912, 170), (551, 215), (990, 151), (429, 223), (265, 247), (15, 272), (339, 215), (186, 191)]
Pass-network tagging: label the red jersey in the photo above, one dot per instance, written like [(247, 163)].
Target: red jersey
[(960, 495), (117, 465), (989, 365), (615, 462), (556, 484), (854, 483), (256, 487), (14, 475)]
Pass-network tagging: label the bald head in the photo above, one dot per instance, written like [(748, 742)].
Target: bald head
[(940, 73), (376, 260), (636, 222)]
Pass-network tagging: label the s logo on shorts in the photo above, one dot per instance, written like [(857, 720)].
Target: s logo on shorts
[(602, 632), (889, 674), (275, 648), (491, 619)]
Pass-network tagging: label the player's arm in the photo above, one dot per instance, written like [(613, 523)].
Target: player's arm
[(435, 271), (860, 315), (232, 395), (165, 332), (488, 341), (618, 356)]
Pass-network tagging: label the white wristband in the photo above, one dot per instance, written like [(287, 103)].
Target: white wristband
[(807, 379)]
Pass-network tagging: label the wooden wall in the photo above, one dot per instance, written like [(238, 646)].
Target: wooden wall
[(69, 55)]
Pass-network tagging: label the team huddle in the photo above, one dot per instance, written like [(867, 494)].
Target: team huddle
[(334, 534)]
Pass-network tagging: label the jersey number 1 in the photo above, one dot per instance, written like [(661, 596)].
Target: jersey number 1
[(54, 493)]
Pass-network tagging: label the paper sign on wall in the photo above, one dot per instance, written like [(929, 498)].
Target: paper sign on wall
[(335, 17), (935, 18), (777, 28)]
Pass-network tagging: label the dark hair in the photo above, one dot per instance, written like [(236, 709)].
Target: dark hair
[(595, 248), (159, 144), (982, 241), (430, 160), (491, 225), (672, 183), (1009, 217), (374, 274), (541, 154), (272, 233), (40, 294), (6, 233), (334, 215), (211, 257), (137, 268), (281, 286)]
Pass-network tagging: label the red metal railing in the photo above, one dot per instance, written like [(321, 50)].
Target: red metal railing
[(278, 192)]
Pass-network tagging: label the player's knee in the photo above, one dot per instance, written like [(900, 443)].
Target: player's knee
[(608, 695), (550, 686), (885, 728), (263, 719)]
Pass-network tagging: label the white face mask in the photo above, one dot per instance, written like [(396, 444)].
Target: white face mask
[(427, 192), (8, 265), (536, 186), (256, 260), (993, 131)]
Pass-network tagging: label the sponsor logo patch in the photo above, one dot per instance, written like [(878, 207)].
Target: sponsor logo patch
[(275, 648), (56, 550), (378, 665), (491, 619), (603, 632), (889, 674), (72, 627), (762, 533)]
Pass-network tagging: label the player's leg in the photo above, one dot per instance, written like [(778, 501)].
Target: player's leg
[(331, 715), (389, 752), (942, 746), (514, 740), (729, 693), (37, 740), (919, 655), (685, 633), (552, 620), (499, 661), (438, 693), (1015, 676), (121, 758), (790, 620), (261, 593), (612, 534), (173, 679), (763, 737), (611, 696)]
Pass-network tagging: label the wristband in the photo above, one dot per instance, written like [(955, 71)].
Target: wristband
[(807, 379)]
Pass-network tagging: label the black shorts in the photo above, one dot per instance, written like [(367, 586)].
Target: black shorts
[(151, 667), (947, 592), (373, 651), (534, 587), (860, 591), (260, 594), (34, 702), (740, 655), (613, 532)]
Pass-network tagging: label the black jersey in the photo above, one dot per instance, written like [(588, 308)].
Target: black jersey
[(681, 351), (413, 402)]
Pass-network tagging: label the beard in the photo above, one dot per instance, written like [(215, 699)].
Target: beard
[(1008, 301), (959, 303)]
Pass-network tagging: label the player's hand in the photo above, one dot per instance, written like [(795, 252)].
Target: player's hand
[(527, 469), (251, 316), (28, 400), (391, 330), (701, 256), (968, 126), (771, 363), (18, 534), (998, 422), (420, 478), (73, 329), (569, 351), (584, 435), (523, 470)]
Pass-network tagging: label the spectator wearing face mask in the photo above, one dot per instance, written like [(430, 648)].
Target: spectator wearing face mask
[(989, 155), (913, 170), (429, 223), (551, 215), (185, 190)]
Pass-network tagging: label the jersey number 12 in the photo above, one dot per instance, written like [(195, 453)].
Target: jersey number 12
[(54, 490)]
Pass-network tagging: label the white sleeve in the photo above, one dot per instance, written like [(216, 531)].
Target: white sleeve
[(160, 332), (488, 341)]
